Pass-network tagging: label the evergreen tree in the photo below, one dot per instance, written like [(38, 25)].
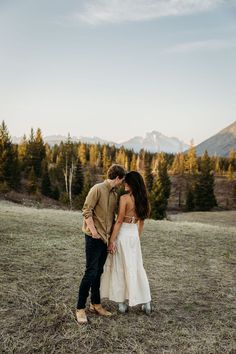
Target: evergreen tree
[(113, 153), (178, 164), (35, 152), (15, 176), (191, 164), (80, 199), (190, 203), (133, 164), (48, 153), (127, 163), (39, 152), (204, 189), (87, 186), (9, 164), (217, 168), (120, 156), (82, 153), (5, 158), (232, 158), (106, 161), (30, 152), (153, 162), (78, 182), (93, 154), (140, 161), (55, 153), (22, 150), (99, 159), (161, 190), (148, 176), (46, 187), (230, 172), (55, 193), (66, 168), (32, 181), (234, 193)]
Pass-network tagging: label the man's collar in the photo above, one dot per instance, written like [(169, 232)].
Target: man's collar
[(109, 186)]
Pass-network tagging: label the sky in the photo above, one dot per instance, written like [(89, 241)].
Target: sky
[(118, 68)]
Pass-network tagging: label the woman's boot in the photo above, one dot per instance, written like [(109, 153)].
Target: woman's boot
[(122, 307), (147, 308)]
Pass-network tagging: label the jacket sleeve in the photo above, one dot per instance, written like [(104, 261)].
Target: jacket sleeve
[(90, 202)]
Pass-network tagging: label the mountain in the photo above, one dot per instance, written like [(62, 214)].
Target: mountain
[(96, 140), (219, 144), (153, 142), (56, 139)]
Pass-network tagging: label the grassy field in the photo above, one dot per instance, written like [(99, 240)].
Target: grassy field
[(190, 264), (224, 219)]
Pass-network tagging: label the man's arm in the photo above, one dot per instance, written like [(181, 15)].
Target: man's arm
[(87, 211), (92, 228)]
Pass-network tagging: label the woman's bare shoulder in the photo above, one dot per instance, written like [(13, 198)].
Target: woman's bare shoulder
[(124, 197)]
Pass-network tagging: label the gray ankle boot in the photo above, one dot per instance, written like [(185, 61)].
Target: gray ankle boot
[(122, 307), (147, 308)]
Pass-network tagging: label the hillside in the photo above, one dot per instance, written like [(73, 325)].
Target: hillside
[(219, 144), (190, 269), (223, 192)]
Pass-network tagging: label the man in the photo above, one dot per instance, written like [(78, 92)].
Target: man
[(99, 217)]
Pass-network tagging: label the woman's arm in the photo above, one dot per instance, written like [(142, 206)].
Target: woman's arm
[(117, 226), (140, 227)]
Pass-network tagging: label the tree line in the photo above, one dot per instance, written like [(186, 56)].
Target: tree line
[(66, 171)]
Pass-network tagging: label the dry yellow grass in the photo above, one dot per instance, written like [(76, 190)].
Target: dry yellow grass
[(224, 219), (190, 265)]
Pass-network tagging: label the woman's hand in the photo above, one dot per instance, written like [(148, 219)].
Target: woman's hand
[(112, 247)]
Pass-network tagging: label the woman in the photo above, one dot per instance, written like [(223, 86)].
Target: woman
[(124, 277)]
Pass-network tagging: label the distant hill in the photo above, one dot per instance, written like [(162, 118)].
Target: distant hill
[(153, 142), (56, 139), (219, 144)]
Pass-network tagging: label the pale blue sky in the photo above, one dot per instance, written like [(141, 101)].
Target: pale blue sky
[(118, 68)]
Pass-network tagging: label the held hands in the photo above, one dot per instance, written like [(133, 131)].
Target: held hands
[(111, 247)]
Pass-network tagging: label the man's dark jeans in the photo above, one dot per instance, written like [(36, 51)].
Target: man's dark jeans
[(96, 254)]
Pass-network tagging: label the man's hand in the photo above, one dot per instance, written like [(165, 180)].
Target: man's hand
[(92, 228), (112, 247), (96, 235)]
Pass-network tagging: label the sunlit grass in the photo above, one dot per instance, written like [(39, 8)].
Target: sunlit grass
[(191, 269)]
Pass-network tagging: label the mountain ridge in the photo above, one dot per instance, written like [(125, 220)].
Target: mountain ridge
[(153, 141), (220, 143)]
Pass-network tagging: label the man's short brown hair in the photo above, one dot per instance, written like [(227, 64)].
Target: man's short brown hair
[(116, 171)]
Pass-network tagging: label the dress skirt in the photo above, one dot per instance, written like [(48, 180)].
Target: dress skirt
[(124, 277)]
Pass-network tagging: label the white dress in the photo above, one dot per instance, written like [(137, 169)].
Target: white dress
[(124, 277)]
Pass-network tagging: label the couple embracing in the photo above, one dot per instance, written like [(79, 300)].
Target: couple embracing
[(114, 265)]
